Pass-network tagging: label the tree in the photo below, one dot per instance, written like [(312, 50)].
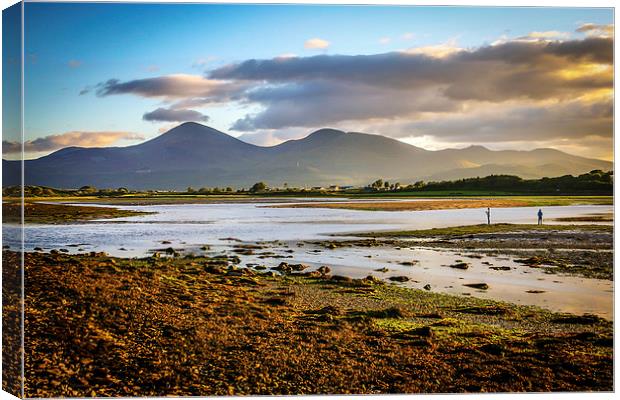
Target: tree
[(190, 189), (377, 184), (88, 189), (258, 187), (229, 189), (386, 185)]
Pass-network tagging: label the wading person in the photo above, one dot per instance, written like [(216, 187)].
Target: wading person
[(488, 213), (540, 215)]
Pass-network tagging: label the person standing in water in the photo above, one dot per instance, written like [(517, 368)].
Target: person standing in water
[(488, 213), (540, 215)]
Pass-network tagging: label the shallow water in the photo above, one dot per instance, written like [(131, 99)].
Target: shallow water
[(189, 226)]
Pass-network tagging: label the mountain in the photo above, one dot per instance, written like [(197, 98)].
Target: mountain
[(196, 155)]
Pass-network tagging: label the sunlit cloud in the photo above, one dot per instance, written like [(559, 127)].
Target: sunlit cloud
[(604, 31), (549, 35), (436, 51), (316, 43), (67, 139)]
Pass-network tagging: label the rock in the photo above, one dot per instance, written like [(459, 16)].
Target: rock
[(166, 242), (35, 249), (260, 267), (534, 291), (324, 270), (460, 265), (63, 250), (373, 279), (481, 286), (384, 269), (409, 263), (427, 287), (399, 278), (500, 268), (297, 267), (284, 267)]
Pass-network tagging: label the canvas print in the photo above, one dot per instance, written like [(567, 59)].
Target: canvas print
[(233, 199)]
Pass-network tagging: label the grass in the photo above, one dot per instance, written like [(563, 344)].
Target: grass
[(483, 229), (439, 203)]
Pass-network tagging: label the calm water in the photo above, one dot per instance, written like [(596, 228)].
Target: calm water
[(189, 226)]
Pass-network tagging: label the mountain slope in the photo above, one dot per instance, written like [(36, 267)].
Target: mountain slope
[(195, 155)]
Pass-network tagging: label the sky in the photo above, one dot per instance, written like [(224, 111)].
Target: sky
[(436, 77)]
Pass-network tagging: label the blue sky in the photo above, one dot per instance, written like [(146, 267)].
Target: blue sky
[(71, 48)]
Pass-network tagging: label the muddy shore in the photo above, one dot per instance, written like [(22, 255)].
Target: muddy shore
[(43, 213), (103, 326), (578, 250)]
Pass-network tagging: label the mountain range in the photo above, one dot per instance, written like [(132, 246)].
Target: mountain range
[(195, 155)]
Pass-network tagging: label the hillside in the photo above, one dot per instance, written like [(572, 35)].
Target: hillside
[(196, 155)]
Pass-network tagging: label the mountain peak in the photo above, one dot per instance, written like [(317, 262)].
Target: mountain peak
[(193, 128), (326, 132)]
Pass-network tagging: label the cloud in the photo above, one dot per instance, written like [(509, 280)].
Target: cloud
[(174, 115), (316, 43), (437, 51), (385, 40), (320, 103), (508, 122), (287, 55), (74, 63), (595, 30), (170, 87), (544, 86), (408, 36), (548, 35), (306, 91), (68, 139)]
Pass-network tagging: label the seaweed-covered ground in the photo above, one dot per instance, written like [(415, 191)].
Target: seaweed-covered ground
[(580, 250), (45, 213), (103, 326)]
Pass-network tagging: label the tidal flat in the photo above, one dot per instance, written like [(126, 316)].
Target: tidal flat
[(105, 326), (214, 299)]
